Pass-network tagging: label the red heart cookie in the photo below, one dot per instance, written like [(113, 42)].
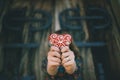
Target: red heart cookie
[(60, 40)]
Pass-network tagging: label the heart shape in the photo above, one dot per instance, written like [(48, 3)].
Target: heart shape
[(60, 40)]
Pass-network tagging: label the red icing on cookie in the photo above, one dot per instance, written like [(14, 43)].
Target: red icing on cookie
[(60, 40)]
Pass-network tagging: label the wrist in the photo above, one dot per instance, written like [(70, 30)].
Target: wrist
[(52, 70), (71, 69)]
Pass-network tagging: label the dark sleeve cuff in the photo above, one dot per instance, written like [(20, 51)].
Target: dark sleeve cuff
[(79, 66)]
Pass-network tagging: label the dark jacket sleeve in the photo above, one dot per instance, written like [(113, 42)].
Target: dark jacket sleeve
[(78, 73), (44, 69)]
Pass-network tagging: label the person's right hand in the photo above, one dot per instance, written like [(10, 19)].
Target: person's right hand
[(54, 60)]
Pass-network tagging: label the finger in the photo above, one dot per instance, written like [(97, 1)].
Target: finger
[(53, 63), (65, 60), (69, 63), (65, 49), (54, 54), (64, 55), (54, 48), (54, 59)]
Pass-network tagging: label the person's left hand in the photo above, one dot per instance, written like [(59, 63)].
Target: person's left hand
[(68, 60)]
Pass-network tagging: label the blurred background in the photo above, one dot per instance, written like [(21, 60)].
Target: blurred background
[(26, 24)]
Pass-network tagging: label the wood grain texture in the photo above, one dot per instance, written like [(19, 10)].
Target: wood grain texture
[(88, 65), (54, 7), (114, 46)]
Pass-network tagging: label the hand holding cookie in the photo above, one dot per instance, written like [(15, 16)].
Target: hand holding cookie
[(67, 58)]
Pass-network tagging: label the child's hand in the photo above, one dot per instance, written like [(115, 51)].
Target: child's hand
[(68, 60)]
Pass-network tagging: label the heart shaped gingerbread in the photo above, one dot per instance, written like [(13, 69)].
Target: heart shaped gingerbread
[(60, 40)]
